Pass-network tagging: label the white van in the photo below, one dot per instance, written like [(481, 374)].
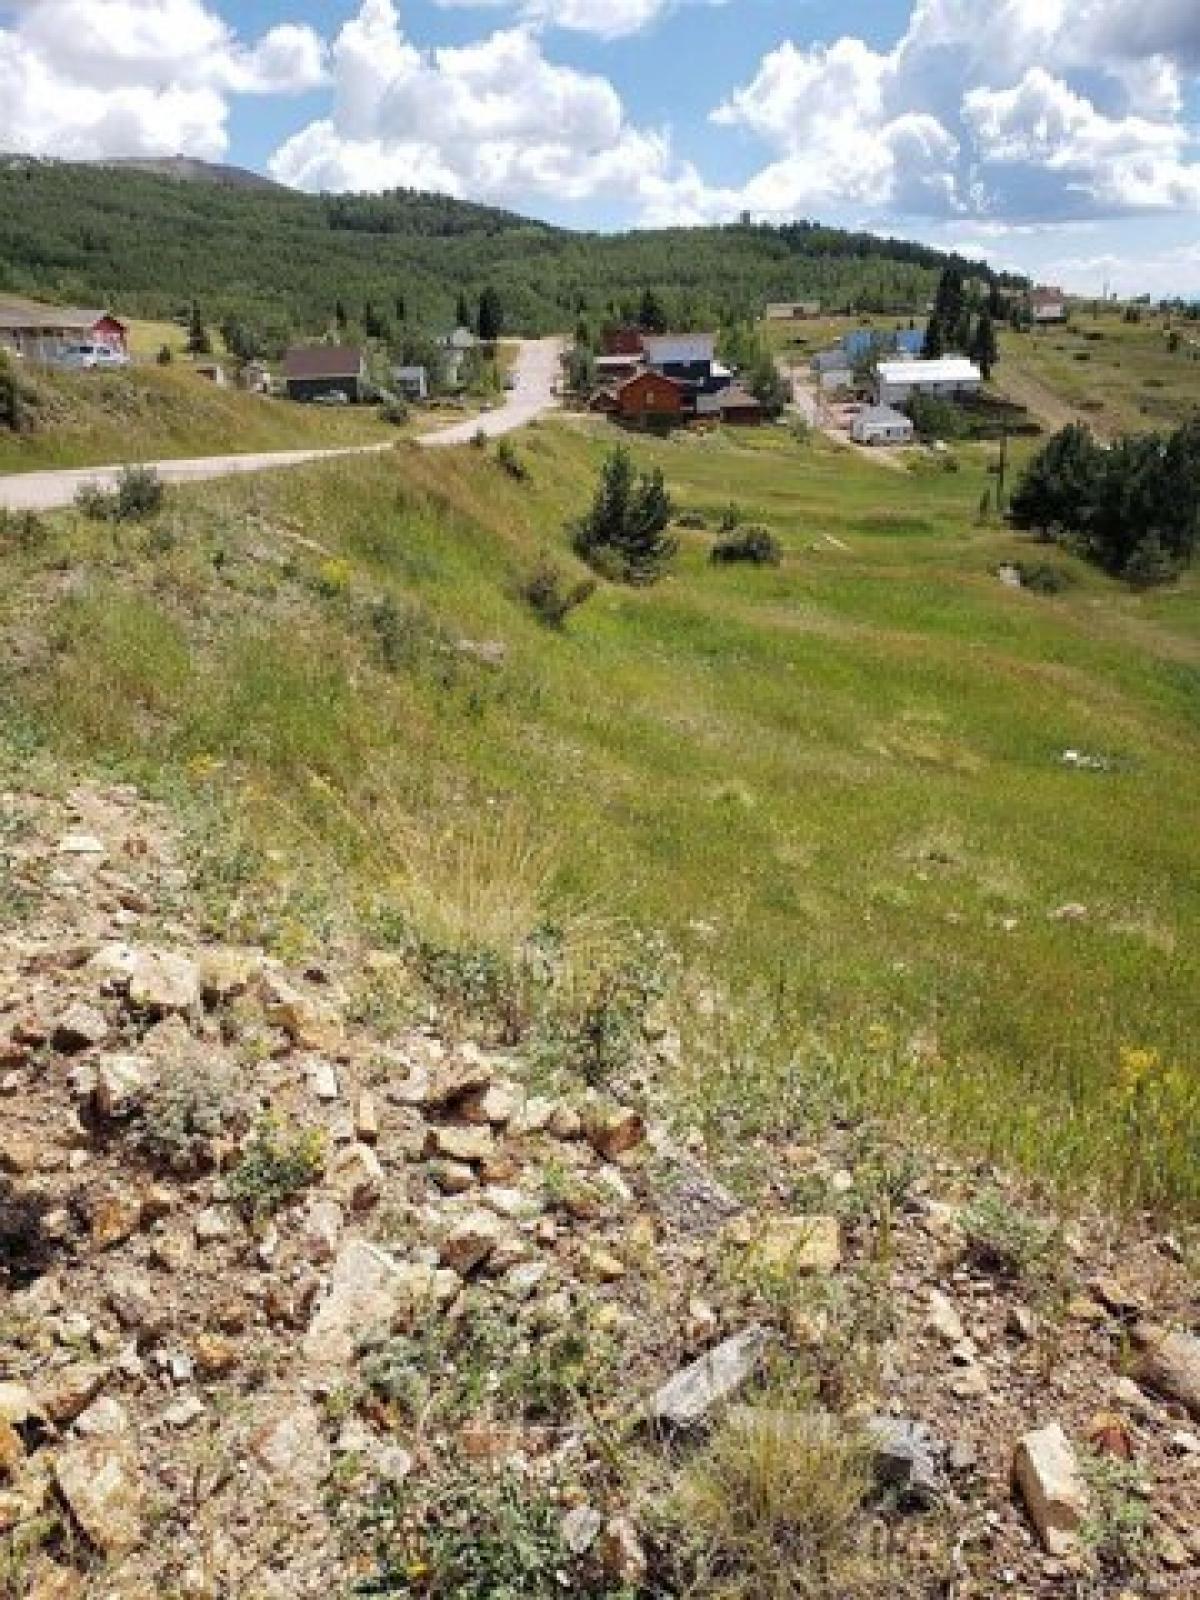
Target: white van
[(87, 357)]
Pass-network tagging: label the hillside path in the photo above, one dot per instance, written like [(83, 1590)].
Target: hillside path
[(48, 491), (535, 374)]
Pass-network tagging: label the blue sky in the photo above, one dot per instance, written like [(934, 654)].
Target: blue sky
[(1061, 137)]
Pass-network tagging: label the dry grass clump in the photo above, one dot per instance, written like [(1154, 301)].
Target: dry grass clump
[(771, 1508)]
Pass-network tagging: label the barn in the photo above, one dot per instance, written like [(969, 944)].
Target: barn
[(651, 397), (321, 371)]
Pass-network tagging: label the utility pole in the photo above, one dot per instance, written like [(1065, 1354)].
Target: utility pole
[(1003, 473)]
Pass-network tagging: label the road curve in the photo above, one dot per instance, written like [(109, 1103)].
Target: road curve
[(536, 373)]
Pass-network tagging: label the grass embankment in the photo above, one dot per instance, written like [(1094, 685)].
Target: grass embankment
[(85, 419), (1117, 376), (838, 786)]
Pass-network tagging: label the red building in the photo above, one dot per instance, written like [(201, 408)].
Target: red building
[(651, 397), (40, 331), (622, 341)]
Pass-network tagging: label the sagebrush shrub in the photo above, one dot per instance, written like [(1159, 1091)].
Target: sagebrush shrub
[(753, 544)]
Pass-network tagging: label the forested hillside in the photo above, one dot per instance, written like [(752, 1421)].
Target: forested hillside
[(150, 244)]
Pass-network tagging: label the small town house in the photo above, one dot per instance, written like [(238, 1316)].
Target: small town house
[(41, 332), (882, 425)]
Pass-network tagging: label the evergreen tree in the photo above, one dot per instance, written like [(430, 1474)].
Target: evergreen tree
[(198, 341), (934, 347), (984, 350), (1057, 488), (339, 316), (624, 533), (374, 325), (491, 316), (401, 307), (462, 312), (652, 313)]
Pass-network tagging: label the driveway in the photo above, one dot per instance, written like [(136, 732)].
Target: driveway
[(536, 373), (48, 491)]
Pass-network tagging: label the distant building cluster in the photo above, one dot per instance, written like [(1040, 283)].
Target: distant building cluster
[(670, 377)]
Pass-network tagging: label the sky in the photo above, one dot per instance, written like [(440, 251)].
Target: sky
[(1056, 137)]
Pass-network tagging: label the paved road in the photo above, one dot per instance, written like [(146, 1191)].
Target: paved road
[(537, 370), (46, 491)]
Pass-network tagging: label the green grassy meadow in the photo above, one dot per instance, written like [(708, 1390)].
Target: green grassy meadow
[(837, 787)]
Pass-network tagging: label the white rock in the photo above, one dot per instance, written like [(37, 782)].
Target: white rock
[(211, 1225), (1169, 1363), (1047, 1473), (104, 1418), (291, 1447), (164, 983), (119, 1082), (943, 1318), (693, 1392), (184, 1412), (322, 1230), (366, 1291), (81, 844), (99, 1480), (323, 1080), (580, 1529)]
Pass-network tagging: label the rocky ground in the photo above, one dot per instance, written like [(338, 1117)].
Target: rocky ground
[(297, 1300)]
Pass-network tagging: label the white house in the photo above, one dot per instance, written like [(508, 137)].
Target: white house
[(882, 425), (679, 349), (898, 381), (412, 382)]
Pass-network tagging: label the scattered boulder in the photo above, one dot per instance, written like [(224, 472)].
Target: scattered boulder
[(580, 1529), (906, 1456), (1168, 1361), (363, 1298), (81, 1027), (943, 1318), (1047, 1473), (119, 1083), (291, 1447), (803, 1245), (612, 1131), (67, 1391), (464, 1143), (100, 1481), (692, 1394), (309, 1025), (163, 983), (358, 1177), (472, 1240)]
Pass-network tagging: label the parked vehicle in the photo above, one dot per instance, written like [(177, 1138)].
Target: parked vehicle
[(89, 357)]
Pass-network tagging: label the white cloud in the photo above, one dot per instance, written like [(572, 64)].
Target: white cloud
[(130, 77), (1009, 108), (607, 19), (495, 120)]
